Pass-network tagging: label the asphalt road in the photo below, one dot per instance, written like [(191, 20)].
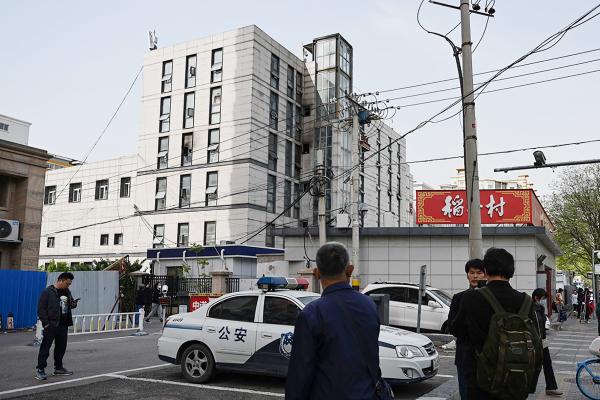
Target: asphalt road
[(119, 366)]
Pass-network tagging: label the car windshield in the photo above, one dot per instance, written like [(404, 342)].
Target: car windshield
[(443, 296), (307, 299)]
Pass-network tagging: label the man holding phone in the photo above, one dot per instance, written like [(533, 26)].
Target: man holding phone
[(54, 311)]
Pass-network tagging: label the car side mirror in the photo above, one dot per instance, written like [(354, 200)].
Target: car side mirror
[(434, 304)]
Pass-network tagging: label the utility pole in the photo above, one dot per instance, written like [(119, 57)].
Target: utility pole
[(320, 174), (354, 201), (470, 136)]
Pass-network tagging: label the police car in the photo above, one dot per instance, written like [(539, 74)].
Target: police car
[(252, 332)]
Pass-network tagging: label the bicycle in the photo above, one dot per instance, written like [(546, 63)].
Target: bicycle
[(588, 373)]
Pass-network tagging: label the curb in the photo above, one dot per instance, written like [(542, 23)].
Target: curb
[(446, 391), (439, 339)]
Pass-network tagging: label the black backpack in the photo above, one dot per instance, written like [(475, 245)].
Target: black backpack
[(511, 359)]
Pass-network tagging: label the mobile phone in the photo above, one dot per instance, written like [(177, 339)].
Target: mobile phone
[(481, 284), (76, 300)]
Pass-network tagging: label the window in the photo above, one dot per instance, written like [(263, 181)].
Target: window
[(50, 195), (50, 241), (325, 53), (399, 294), (125, 187), (158, 239), (297, 205), (289, 153), (4, 185), (160, 198), (210, 233), (187, 146), (190, 68), (298, 122), (290, 81), (118, 239), (215, 105), (212, 181), (183, 234), (185, 190), (101, 189), (280, 311), (188, 110), (326, 92), (165, 114), (212, 155), (274, 111), (167, 76), (76, 241), (298, 161), (345, 57), (289, 119), (270, 236), (272, 152), (274, 71), (239, 308), (216, 68), (104, 239), (299, 83), (74, 192), (287, 198), (271, 193), (3, 127), (162, 159)]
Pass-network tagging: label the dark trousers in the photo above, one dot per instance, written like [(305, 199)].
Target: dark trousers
[(59, 336), (598, 326), (548, 371), (137, 310), (462, 382)]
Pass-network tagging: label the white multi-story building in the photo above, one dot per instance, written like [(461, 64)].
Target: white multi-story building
[(229, 129), (457, 182)]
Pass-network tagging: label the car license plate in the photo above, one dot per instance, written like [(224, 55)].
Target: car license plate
[(435, 363)]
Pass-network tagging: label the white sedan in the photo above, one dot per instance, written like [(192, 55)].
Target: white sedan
[(252, 332)]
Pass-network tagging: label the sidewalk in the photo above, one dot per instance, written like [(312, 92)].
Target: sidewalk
[(567, 347)]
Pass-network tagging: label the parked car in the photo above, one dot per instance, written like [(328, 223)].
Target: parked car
[(404, 299), (252, 332)]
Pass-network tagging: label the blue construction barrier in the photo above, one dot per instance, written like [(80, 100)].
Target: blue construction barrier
[(19, 293)]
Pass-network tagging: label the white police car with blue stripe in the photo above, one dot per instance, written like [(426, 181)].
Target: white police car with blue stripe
[(252, 332)]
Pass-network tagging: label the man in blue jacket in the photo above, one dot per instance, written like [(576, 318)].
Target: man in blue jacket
[(335, 354), (54, 311)]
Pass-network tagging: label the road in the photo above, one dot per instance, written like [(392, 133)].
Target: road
[(125, 367)]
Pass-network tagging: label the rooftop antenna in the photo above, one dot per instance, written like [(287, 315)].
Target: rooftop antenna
[(153, 40)]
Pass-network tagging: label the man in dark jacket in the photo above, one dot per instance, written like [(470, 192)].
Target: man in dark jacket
[(540, 323), (156, 307), (139, 301), (54, 311), (464, 350), (335, 354), (475, 313)]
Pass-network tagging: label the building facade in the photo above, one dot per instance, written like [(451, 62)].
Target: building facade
[(228, 132), (22, 173)]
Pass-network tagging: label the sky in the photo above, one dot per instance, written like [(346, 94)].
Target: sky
[(65, 65)]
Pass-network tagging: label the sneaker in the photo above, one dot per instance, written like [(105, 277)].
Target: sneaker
[(161, 320), (553, 392), (62, 372), (40, 375)]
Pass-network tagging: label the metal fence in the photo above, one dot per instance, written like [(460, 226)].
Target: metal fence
[(111, 322), (177, 284), (232, 285)]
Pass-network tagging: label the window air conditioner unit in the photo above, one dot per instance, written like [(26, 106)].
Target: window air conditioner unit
[(192, 71), (9, 230), (190, 112)]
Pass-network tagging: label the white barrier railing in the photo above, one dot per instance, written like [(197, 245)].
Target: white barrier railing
[(110, 322)]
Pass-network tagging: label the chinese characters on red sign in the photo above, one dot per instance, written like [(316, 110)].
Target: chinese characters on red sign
[(497, 207)]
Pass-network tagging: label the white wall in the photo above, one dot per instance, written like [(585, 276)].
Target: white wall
[(18, 131)]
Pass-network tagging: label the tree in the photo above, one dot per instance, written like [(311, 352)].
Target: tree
[(575, 211), (55, 266)]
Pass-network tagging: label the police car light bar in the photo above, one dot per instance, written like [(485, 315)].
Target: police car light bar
[(278, 282)]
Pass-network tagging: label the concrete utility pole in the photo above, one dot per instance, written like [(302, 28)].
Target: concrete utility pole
[(354, 200), (470, 136), (320, 173)]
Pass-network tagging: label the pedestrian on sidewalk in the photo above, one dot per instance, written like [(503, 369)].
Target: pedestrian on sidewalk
[(540, 323), (336, 339), (464, 350), (156, 307), (54, 311), (476, 311), (575, 302), (580, 302), (139, 302), (586, 309), (598, 312)]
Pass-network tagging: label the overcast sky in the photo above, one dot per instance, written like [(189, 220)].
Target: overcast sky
[(66, 64)]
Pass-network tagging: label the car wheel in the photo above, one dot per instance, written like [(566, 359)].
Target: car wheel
[(197, 364), (445, 328)]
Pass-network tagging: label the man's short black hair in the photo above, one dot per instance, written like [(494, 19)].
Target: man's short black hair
[(499, 262), (539, 292), (560, 290), (475, 263), (64, 276), (332, 259)]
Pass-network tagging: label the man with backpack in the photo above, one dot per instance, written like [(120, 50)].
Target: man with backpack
[(498, 320)]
